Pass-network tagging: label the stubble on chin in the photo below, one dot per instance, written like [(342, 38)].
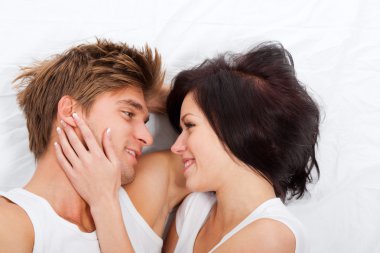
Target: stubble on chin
[(127, 176)]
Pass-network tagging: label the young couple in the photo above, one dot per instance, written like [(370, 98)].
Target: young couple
[(247, 136)]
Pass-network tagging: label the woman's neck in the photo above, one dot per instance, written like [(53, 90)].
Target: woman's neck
[(239, 195)]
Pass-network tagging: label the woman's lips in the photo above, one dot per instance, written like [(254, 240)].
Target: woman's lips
[(187, 163)]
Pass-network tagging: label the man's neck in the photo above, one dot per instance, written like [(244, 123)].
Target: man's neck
[(50, 182)]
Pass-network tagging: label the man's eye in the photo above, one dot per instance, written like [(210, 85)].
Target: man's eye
[(129, 114)]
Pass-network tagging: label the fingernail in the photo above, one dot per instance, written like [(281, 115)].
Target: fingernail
[(63, 123), (75, 116), (108, 132), (55, 145), (59, 130)]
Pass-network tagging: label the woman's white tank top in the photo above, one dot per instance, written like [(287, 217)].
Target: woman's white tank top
[(194, 210)]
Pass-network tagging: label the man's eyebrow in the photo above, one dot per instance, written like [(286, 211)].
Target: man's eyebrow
[(132, 103), (135, 105)]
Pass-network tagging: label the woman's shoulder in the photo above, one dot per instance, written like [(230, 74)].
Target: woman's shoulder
[(269, 228), (263, 235), (275, 212)]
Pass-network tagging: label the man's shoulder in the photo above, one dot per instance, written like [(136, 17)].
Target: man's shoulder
[(16, 229), (10, 210)]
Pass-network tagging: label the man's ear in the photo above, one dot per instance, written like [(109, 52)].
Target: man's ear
[(66, 107)]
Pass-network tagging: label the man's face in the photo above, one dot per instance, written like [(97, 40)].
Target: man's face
[(125, 113)]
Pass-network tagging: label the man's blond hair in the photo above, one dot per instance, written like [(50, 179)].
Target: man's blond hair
[(82, 72)]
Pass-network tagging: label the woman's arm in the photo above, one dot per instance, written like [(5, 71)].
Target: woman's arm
[(158, 187), (96, 175), (110, 227)]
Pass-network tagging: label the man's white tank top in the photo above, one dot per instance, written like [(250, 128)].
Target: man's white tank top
[(54, 234), (142, 236), (194, 211)]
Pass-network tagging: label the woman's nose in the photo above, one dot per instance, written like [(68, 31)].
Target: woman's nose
[(179, 145)]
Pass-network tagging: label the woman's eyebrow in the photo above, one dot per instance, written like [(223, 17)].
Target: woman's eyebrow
[(185, 115)]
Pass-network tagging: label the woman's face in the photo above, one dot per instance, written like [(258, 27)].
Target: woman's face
[(203, 154)]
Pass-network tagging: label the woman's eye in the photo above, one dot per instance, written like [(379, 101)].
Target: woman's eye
[(189, 125)]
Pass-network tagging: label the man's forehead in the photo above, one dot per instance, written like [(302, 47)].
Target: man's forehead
[(133, 96)]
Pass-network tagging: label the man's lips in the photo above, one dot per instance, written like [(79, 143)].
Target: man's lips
[(133, 152)]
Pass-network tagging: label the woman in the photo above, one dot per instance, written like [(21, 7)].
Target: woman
[(249, 131), (247, 143)]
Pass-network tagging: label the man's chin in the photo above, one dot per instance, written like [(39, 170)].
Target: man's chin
[(128, 176)]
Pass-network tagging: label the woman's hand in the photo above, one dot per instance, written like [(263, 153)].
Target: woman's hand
[(94, 173)]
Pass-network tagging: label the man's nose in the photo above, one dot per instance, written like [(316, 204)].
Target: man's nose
[(144, 136)]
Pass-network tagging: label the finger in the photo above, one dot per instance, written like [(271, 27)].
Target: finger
[(67, 149), (74, 140), (66, 166), (108, 146), (87, 134)]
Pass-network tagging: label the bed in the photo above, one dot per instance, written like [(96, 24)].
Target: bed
[(336, 49)]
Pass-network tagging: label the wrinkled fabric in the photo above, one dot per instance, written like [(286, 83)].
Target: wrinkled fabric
[(336, 50)]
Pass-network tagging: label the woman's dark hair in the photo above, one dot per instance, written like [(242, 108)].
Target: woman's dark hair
[(259, 110)]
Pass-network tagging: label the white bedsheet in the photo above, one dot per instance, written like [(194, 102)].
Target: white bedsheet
[(336, 49)]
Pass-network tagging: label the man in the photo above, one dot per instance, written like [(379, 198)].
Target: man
[(107, 85)]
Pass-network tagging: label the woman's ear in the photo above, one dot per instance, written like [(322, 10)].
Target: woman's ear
[(66, 107)]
